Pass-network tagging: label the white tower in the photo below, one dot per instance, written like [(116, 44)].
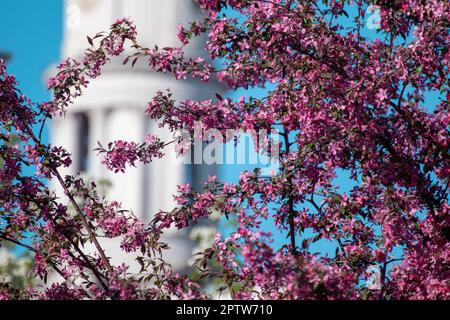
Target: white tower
[(113, 108)]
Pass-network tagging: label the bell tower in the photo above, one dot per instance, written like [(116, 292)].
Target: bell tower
[(113, 105)]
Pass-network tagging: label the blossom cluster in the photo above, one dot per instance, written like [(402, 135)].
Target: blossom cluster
[(120, 153)]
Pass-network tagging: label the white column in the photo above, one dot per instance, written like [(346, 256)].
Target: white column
[(127, 124), (64, 133), (165, 174)]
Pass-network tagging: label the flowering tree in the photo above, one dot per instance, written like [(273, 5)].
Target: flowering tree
[(340, 102)]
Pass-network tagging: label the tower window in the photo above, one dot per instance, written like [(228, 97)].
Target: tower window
[(82, 155)]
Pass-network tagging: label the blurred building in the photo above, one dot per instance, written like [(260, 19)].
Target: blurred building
[(113, 107)]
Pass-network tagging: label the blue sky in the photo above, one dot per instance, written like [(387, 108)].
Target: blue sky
[(31, 31)]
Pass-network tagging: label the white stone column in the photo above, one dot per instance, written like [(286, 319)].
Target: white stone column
[(64, 133), (162, 178), (128, 124), (165, 174)]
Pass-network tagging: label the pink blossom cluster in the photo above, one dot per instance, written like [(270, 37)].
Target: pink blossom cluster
[(73, 75), (172, 60), (122, 153)]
